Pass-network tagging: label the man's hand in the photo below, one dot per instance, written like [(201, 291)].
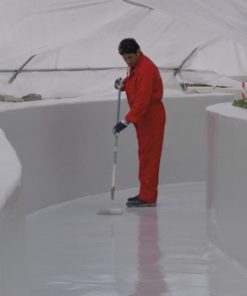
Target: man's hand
[(121, 125), (119, 83)]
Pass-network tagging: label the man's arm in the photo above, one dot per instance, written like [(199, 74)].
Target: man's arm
[(145, 86)]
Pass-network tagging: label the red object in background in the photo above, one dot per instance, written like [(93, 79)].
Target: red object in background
[(243, 90)]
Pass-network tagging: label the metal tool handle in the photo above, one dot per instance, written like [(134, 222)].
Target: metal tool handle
[(115, 148)]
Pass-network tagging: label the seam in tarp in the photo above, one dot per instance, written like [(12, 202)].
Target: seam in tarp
[(74, 69), (138, 4)]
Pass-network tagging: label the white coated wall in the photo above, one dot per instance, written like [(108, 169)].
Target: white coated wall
[(227, 179), (12, 252), (66, 146)]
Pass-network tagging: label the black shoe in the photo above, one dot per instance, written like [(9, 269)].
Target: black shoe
[(133, 198), (139, 204)]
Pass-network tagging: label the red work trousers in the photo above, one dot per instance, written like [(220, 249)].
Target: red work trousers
[(150, 135)]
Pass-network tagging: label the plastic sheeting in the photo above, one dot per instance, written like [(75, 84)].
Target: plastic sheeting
[(226, 18), (85, 34)]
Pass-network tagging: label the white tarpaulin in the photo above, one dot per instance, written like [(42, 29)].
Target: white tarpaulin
[(75, 34)]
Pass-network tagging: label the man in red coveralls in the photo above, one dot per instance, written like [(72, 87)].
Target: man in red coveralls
[(144, 89)]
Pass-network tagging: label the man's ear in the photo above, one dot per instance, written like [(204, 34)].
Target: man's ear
[(138, 52)]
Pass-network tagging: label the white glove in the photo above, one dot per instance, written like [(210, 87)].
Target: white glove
[(119, 84)]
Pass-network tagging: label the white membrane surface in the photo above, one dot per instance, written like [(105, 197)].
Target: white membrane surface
[(144, 252)]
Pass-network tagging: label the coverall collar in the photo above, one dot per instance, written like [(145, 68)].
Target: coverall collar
[(133, 70)]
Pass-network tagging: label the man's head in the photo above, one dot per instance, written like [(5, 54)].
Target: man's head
[(130, 51)]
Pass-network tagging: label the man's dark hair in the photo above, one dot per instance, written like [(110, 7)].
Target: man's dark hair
[(128, 45)]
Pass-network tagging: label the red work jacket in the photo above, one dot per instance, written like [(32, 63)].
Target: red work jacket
[(143, 86)]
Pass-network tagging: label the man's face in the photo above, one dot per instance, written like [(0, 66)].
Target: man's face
[(131, 59)]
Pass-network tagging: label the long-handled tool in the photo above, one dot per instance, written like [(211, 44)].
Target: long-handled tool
[(112, 210)]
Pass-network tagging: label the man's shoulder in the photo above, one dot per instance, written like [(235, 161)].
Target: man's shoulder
[(147, 62)]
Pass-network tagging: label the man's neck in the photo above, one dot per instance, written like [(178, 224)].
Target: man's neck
[(138, 61)]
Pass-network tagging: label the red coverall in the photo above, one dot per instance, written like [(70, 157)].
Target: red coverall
[(144, 89)]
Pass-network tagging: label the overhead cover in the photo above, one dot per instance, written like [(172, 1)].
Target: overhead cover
[(85, 34)]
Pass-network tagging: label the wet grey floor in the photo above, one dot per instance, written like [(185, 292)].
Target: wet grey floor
[(144, 252)]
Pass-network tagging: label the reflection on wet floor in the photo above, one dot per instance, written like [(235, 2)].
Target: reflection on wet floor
[(145, 252)]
